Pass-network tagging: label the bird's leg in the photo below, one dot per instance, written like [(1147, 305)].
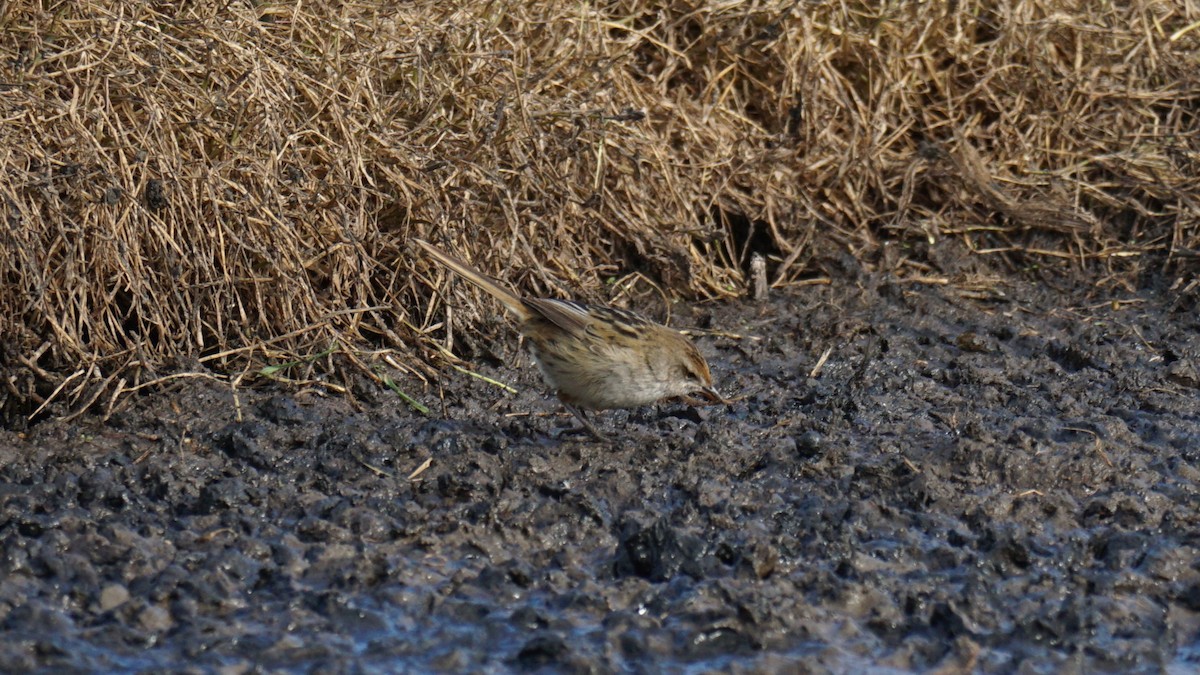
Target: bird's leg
[(587, 425)]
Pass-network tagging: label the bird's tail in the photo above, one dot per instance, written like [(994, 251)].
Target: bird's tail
[(493, 287)]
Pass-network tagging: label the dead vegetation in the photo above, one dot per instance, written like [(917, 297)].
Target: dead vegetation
[(211, 187)]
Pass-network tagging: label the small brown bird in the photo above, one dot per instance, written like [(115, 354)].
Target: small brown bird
[(598, 357)]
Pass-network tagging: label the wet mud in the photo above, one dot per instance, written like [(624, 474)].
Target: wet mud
[(1002, 480)]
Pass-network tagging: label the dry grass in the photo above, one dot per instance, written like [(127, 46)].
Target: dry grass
[(214, 186)]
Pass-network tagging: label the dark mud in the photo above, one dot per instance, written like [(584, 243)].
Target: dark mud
[(998, 483)]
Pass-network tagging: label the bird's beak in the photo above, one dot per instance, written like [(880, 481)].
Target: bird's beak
[(704, 396)]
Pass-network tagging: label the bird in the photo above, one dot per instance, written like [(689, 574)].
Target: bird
[(597, 357)]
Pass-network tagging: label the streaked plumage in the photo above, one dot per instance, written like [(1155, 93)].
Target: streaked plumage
[(598, 357)]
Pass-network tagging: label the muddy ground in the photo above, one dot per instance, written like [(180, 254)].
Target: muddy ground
[(999, 480)]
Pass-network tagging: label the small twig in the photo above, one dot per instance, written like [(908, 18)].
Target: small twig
[(509, 388), (818, 281), (96, 396), (718, 333), (1098, 442), (112, 401), (421, 469), (378, 471), (37, 370), (287, 336), (55, 393), (209, 536), (166, 378), (816, 370)]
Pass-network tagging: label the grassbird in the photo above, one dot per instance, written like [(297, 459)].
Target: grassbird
[(597, 357)]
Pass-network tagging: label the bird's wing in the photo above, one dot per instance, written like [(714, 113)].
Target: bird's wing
[(572, 317)]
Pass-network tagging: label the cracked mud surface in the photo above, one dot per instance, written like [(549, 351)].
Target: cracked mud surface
[(997, 484)]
